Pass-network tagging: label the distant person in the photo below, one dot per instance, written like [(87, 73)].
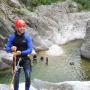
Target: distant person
[(21, 42)]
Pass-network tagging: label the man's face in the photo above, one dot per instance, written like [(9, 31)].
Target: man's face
[(20, 30)]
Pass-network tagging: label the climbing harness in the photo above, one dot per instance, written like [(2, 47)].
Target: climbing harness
[(17, 67)]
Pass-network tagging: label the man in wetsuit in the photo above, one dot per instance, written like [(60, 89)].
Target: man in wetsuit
[(21, 42)]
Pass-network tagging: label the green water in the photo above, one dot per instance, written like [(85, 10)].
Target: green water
[(70, 66)]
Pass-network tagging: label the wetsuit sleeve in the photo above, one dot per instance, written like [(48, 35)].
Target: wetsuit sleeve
[(29, 45), (9, 43)]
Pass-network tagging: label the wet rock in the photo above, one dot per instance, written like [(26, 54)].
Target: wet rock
[(67, 85), (8, 87), (71, 63), (5, 60), (85, 48), (41, 58), (44, 85)]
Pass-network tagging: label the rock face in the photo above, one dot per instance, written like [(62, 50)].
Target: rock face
[(58, 23), (43, 85), (85, 48), (14, 3), (5, 30), (5, 61), (55, 25)]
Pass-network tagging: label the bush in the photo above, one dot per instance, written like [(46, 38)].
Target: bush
[(44, 2), (85, 4)]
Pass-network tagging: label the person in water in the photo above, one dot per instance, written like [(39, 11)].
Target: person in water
[(20, 42)]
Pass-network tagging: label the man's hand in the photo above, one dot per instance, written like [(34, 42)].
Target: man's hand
[(14, 51), (13, 48), (17, 53)]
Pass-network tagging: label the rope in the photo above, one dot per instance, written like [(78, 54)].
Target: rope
[(14, 62), (15, 69)]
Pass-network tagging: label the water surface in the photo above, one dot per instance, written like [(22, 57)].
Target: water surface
[(67, 67)]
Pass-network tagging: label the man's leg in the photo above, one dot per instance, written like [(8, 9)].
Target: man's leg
[(27, 71), (16, 80)]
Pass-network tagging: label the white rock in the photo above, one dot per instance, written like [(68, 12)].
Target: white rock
[(55, 50)]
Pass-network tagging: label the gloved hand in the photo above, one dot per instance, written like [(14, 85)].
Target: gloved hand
[(16, 53), (13, 48)]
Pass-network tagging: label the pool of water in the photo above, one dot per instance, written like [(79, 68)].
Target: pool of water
[(67, 67)]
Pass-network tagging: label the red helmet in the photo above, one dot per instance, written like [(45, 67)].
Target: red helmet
[(20, 23)]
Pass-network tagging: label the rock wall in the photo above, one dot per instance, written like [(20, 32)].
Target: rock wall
[(58, 23), (85, 48)]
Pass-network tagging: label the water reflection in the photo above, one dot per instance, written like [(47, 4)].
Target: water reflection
[(85, 64)]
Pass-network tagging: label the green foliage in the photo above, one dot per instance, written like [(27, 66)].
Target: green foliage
[(31, 4), (44, 2), (85, 4)]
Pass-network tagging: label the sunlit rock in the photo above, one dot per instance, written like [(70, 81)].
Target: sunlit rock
[(55, 50), (10, 87), (67, 85), (44, 85)]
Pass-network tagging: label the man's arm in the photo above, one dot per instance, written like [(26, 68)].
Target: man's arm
[(9, 43), (29, 44)]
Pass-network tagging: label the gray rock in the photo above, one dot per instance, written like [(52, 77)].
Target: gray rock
[(44, 85), (53, 24), (58, 23), (85, 48), (38, 42), (10, 87), (5, 28), (3, 87), (59, 28), (4, 66), (5, 60), (67, 85), (14, 3)]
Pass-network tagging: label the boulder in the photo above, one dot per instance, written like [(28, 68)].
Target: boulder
[(14, 3), (5, 61), (85, 48)]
